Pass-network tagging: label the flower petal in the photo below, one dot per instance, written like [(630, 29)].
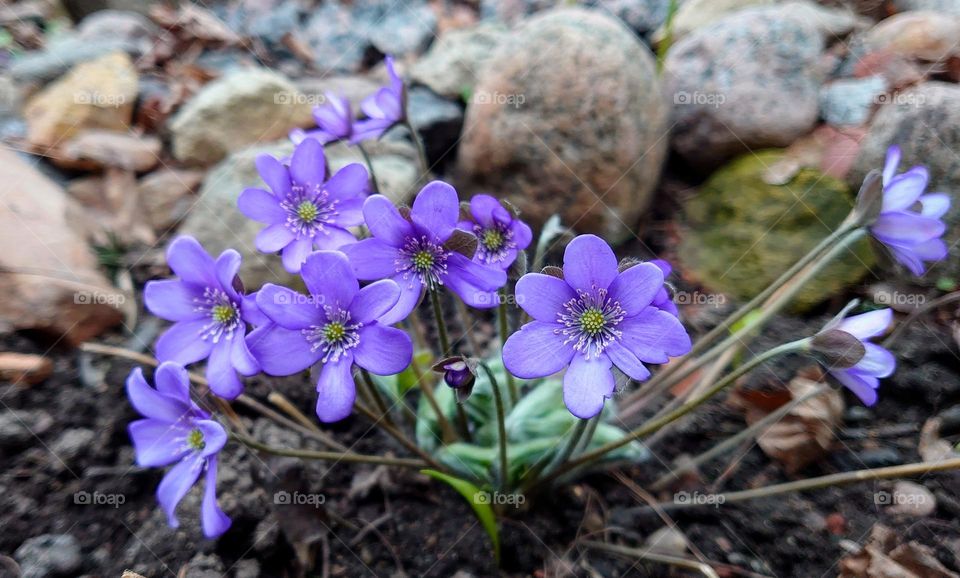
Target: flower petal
[(627, 362), (288, 308), (296, 253), (308, 166), (383, 350), (188, 259), (183, 344), (242, 358), (328, 276), (214, 436), (336, 390), (227, 267), (654, 336), (374, 300), (903, 190), (221, 374), (542, 296), (435, 211), (333, 238), (474, 283), (172, 299), (259, 205), (522, 234), (637, 287), (907, 227), (935, 205), (172, 380), (350, 212), (151, 403), (274, 174), (348, 183), (587, 384), (175, 485), (863, 386), (589, 263), (158, 443), (867, 325), (281, 351), (372, 259), (411, 293), (537, 350), (877, 362), (891, 163), (212, 519), (482, 208), (274, 238)]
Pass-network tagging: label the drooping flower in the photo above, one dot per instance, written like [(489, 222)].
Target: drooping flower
[(910, 222), (304, 211), (336, 325), (413, 252), (384, 109), (500, 234), (863, 377), (209, 313), (591, 320), (176, 431), (334, 122), (663, 300)]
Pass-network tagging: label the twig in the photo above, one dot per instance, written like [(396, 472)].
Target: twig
[(330, 456), (399, 436), (647, 554)]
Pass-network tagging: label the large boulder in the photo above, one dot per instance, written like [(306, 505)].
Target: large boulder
[(451, 65), (742, 232), (244, 107), (49, 280), (568, 117), (924, 122), (749, 80)]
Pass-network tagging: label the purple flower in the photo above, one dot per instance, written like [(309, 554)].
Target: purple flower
[(500, 234), (909, 223), (337, 324), (592, 319), (384, 108), (334, 122), (209, 314), (412, 252), (863, 377), (305, 211), (177, 431), (663, 300)]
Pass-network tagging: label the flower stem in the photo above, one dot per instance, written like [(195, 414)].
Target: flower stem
[(772, 299), (501, 427), (441, 324), (329, 456), (373, 174), (728, 444), (468, 328), (421, 151), (374, 393), (504, 330), (655, 424)]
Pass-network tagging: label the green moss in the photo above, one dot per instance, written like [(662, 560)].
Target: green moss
[(742, 233)]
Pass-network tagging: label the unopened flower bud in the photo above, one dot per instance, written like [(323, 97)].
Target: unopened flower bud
[(837, 348), (459, 373)]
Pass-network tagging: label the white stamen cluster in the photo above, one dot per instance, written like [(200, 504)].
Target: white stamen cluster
[(309, 210), (223, 313), (590, 321), (335, 337), (423, 258)]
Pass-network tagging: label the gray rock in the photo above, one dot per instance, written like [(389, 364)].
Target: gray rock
[(18, 427), (62, 55), (48, 555), (941, 6), (205, 566), (849, 101), (134, 29), (235, 111), (451, 66), (925, 122), (437, 120), (643, 16), (580, 133), (268, 20), (511, 11), (217, 223), (72, 443), (749, 80), (353, 88)]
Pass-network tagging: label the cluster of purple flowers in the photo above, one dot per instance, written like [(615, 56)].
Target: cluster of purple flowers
[(589, 317)]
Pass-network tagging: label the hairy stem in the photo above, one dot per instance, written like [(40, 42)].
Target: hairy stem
[(441, 324), (501, 427), (421, 151), (373, 174), (504, 326)]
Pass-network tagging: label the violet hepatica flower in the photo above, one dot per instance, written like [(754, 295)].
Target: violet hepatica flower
[(383, 109), (500, 234), (863, 378), (210, 314), (334, 122), (591, 320), (176, 431), (413, 252), (910, 222), (304, 211), (663, 299), (336, 325)]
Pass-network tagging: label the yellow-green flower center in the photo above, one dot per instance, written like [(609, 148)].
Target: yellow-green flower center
[(307, 211), (492, 239), (422, 260), (592, 321), (333, 332), (195, 440), (223, 314)]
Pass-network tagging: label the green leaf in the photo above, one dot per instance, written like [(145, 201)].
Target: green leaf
[(746, 321), (481, 508)]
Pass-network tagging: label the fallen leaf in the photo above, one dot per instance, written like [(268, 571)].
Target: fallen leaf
[(931, 447), (911, 499), (881, 557)]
